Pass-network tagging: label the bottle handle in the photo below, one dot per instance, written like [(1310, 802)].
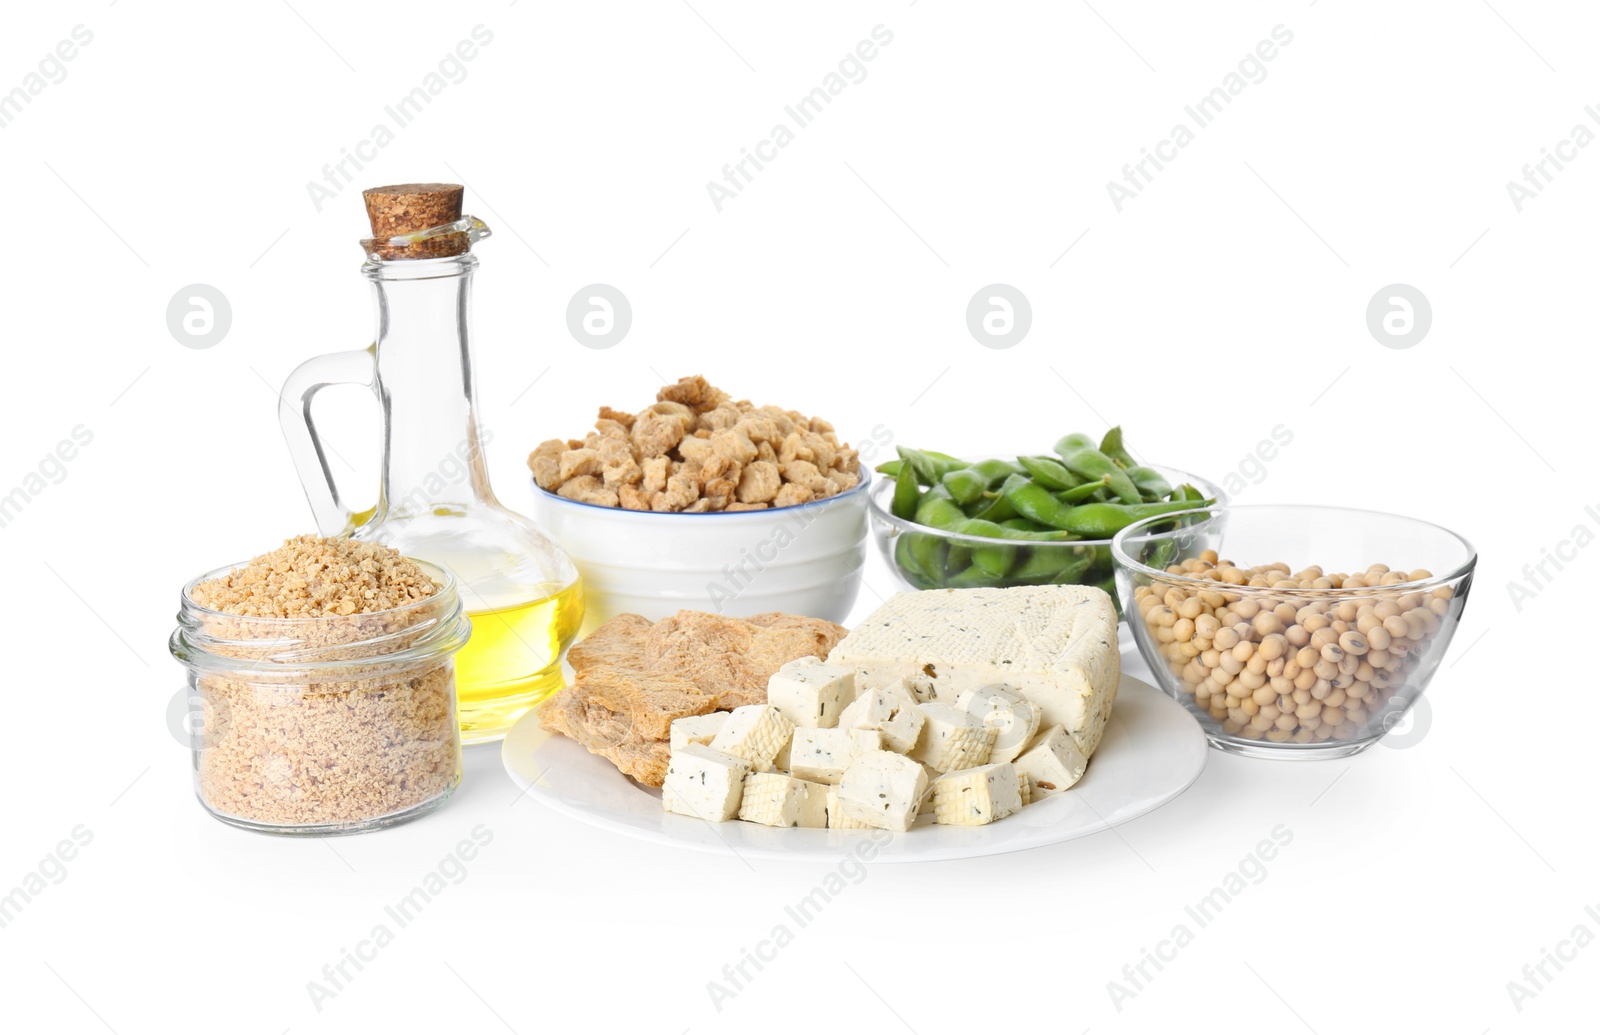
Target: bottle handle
[(356, 367)]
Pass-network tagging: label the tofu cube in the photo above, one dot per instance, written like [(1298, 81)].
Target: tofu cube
[(756, 733), (883, 789), (1052, 763), (809, 692), (951, 739), (1003, 708), (892, 711), (704, 783), (822, 756), (973, 797), (869, 710), (696, 729), (837, 820), (779, 800)]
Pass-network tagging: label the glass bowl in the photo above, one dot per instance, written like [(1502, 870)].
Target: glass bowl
[(1280, 659), (928, 558)]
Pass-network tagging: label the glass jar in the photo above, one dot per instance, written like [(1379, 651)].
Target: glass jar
[(329, 725)]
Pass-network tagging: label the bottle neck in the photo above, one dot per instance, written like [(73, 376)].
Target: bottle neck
[(433, 451)]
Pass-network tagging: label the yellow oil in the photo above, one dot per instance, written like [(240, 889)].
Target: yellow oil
[(513, 661)]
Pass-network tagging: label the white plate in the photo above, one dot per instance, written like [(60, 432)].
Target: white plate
[(1151, 752)]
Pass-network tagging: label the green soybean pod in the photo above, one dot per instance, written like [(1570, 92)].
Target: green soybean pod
[(1091, 464), (937, 509), (995, 471), (890, 468), (1070, 444), (930, 552), (1085, 492), (972, 578), (997, 509), (907, 494), (1034, 502), (965, 486), (994, 561), (1056, 563), (990, 530), (1104, 520), (1112, 446), (1151, 485), (905, 557), (1049, 472), (930, 467)]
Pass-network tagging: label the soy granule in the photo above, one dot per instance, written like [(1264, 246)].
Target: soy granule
[(365, 736), (313, 577)]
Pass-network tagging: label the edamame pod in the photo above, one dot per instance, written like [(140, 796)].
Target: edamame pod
[(938, 509), (930, 467), (1058, 565), (906, 557), (1049, 472), (1072, 443), (994, 561), (906, 494), (1112, 446), (1104, 520), (994, 472), (1150, 483), (965, 485), (1035, 503), (997, 509), (1083, 492), (1091, 463), (990, 530)]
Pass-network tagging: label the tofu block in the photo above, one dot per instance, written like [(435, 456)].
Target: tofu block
[(696, 729), (865, 740), (822, 756), (1055, 646), (809, 692), (882, 789), (755, 733), (999, 706), (974, 797), (951, 739), (870, 709), (892, 711), (837, 820), (902, 731), (1052, 762), (779, 800), (704, 783)]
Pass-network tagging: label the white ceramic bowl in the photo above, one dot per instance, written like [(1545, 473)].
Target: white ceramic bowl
[(803, 560)]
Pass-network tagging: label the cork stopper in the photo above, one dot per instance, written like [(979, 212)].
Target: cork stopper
[(410, 208)]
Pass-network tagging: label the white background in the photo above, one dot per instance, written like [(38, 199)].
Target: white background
[(1228, 298)]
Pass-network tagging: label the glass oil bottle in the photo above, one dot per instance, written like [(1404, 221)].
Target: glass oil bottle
[(521, 592)]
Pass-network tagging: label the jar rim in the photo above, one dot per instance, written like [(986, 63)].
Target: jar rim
[(442, 630), (442, 577)]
